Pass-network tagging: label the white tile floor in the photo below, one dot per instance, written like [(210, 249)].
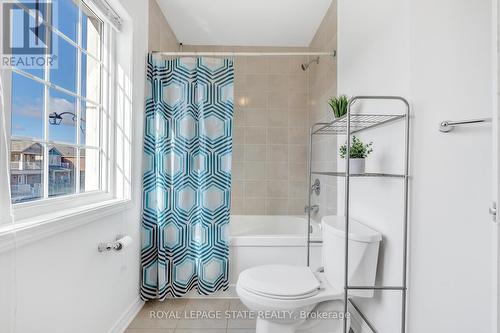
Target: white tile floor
[(181, 311)]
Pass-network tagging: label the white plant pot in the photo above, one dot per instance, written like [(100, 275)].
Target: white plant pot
[(356, 166)]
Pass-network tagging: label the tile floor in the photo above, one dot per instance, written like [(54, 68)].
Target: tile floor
[(177, 317)]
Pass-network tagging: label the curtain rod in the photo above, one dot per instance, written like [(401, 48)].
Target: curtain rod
[(244, 54)]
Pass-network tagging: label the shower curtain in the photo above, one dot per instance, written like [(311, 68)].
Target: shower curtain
[(187, 176)]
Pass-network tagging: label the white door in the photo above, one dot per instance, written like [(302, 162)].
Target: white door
[(496, 169)]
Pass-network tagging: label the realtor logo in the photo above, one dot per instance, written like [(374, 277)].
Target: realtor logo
[(27, 38)]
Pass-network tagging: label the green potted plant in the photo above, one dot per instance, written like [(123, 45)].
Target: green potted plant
[(339, 105), (357, 154)]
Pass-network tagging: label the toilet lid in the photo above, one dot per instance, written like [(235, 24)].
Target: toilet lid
[(280, 281)]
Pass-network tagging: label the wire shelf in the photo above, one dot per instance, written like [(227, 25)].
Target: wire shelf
[(367, 175), (359, 122)]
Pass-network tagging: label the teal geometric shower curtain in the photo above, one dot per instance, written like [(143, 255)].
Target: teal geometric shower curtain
[(187, 176)]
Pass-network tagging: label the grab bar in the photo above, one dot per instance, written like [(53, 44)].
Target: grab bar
[(448, 125)]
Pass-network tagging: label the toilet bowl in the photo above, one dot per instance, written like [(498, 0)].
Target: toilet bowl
[(283, 296)]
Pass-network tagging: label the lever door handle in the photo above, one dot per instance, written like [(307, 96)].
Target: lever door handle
[(493, 211)]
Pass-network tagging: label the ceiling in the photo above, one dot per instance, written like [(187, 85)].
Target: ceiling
[(245, 22)]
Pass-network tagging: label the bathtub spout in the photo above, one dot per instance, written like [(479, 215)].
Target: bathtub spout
[(313, 209)]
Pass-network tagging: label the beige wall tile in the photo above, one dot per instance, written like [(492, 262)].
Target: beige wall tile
[(277, 118), (255, 206), (297, 171), (277, 189), (255, 170), (298, 135), (277, 170), (238, 153), (277, 153), (255, 153), (256, 117), (239, 117), (278, 82), (240, 81), (238, 170), (277, 99), (257, 65), (297, 82), (296, 206), (277, 207), (255, 99), (238, 206), (279, 64), (255, 189), (298, 118), (256, 82), (238, 135), (237, 188), (240, 67), (297, 189), (297, 100), (255, 135), (297, 153), (277, 135)]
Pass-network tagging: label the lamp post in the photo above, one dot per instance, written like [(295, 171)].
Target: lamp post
[(56, 119)]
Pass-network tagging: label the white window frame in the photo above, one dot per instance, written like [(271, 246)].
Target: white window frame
[(107, 195)]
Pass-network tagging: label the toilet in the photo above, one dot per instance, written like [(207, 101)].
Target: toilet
[(283, 296)]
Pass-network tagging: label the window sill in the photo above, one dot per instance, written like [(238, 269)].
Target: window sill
[(32, 229)]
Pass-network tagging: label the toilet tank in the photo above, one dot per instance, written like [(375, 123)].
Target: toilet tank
[(363, 254)]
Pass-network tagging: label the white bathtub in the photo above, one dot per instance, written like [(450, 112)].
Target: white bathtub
[(263, 239)]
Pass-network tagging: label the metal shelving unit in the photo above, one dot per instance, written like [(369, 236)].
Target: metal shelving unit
[(348, 125)]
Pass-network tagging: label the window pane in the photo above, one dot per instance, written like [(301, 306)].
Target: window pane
[(89, 170), (62, 117), (91, 78), (90, 120), (62, 160), (66, 17), (91, 32), (27, 107), (64, 72), (26, 171), (19, 33)]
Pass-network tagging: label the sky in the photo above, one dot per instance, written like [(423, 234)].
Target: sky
[(28, 95)]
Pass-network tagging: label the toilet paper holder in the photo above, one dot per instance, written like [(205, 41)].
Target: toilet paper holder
[(118, 245)]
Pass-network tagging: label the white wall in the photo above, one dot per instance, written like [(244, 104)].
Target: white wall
[(373, 59), (438, 55), (61, 283)]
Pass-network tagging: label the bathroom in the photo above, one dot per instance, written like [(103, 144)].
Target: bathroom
[(105, 251)]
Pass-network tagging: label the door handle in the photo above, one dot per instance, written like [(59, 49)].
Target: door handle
[(493, 211)]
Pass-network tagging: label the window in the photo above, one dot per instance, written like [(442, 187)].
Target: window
[(57, 111)]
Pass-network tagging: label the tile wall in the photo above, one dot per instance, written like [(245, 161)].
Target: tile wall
[(275, 104), (322, 86), (270, 135)]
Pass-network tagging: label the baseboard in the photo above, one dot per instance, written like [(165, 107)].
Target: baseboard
[(126, 318)]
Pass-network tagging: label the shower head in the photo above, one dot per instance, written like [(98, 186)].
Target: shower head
[(306, 66)]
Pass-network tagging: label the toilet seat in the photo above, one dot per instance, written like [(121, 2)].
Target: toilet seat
[(280, 281), (306, 288)]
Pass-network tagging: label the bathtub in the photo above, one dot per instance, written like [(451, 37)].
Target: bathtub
[(264, 239)]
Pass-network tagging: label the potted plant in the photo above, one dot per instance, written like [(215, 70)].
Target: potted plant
[(357, 154), (339, 105)]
